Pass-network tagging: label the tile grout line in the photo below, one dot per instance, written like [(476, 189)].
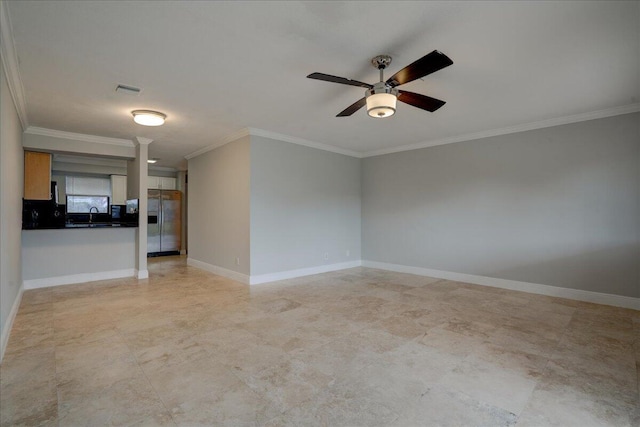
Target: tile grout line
[(164, 405), (546, 365), (55, 363)]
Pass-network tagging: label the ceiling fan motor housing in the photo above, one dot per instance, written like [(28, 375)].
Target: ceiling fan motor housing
[(381, 100)]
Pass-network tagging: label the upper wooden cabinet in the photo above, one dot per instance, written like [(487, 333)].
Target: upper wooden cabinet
[(37, 176)]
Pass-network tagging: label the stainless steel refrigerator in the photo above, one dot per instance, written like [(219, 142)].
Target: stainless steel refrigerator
[(163, 233)]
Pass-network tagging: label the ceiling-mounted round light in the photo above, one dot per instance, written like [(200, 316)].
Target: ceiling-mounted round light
[(148, 117), (381, 101)]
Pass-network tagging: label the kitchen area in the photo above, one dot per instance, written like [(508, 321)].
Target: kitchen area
[(80, 221)]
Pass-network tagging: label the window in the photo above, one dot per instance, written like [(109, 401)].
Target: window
[(84, 193), (86, 204)]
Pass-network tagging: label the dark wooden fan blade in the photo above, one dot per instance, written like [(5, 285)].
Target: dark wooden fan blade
[(426, 65), (421, 101), (353, 108), (336, 79)]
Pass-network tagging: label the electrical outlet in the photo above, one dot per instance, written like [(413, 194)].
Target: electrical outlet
[(326, 255), (237, 260), (348, 253)]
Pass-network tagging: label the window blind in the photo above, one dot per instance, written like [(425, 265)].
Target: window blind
[(88, 186)]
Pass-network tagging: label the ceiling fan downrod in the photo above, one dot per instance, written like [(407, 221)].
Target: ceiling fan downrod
[(381, 98), (381, 62)]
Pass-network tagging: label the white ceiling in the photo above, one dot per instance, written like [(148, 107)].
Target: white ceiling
[(217, 67)]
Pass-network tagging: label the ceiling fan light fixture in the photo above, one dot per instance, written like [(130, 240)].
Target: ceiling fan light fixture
[(148, 117), (381, 101), (381, 105)]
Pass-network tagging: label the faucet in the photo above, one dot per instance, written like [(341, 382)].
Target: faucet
[(91, 213)]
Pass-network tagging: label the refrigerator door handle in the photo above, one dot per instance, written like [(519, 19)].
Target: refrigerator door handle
[(160, 221)]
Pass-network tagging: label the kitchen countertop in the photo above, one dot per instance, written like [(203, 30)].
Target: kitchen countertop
[(99, 225), (84, 225)]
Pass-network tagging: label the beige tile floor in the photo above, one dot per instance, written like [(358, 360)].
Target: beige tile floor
[(359, 347)]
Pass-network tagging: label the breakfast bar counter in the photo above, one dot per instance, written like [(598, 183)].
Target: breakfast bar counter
[(66, 255)]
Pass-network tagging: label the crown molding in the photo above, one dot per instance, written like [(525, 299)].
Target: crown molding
[(272, 135), (10, 65), (610, 112), (227, 139), (140, 140), (32, 130), (304, 142), (600, 114)]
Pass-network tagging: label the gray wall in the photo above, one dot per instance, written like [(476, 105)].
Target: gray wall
[(11, 183), (66, 168), (53, 253), (218, 212), (63, 168), (70, 146), (558, 206), (133, 179), (304, 203)]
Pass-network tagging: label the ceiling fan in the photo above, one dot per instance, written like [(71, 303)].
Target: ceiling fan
[(380, 98)]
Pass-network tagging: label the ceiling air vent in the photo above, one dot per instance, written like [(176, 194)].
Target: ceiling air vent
[(128, 90)]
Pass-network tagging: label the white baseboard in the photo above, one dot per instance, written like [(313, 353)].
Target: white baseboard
[(220, 271), (141, 274), (78, 278), (270, 277), (290, 274), (533, 288), (6, 330)]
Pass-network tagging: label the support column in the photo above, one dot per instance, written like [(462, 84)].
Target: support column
[(137, 171), (183, 187)]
